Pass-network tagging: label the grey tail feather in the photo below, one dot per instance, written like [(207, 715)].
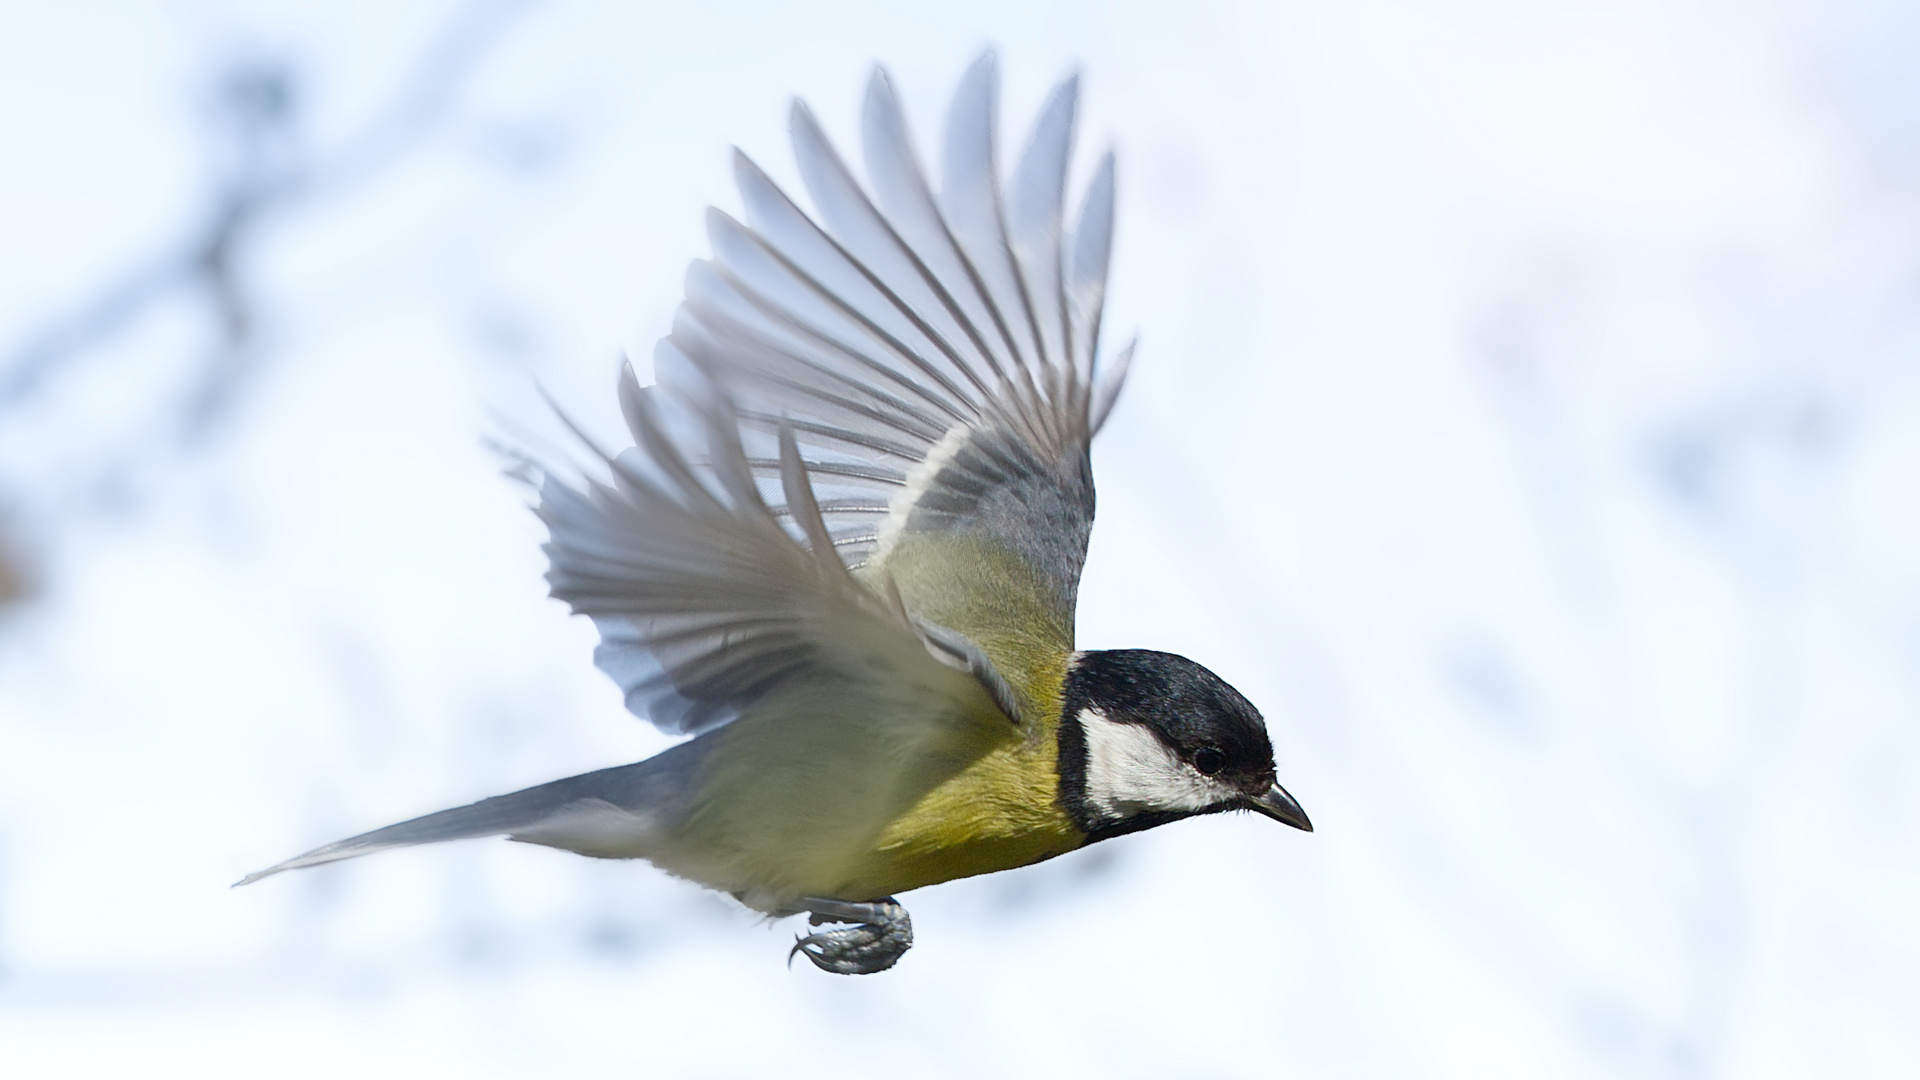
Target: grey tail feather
[(651, 786)]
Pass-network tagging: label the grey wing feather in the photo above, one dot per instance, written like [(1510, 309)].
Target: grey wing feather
[(708, 596), (904, 363), (1034, 221)]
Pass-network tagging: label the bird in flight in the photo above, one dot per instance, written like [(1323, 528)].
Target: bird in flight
[(844, 551)]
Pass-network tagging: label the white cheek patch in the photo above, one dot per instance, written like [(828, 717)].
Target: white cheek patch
[(1129, 770)]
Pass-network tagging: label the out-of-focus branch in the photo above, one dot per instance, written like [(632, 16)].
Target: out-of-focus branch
[(13, 577), (257, 116)]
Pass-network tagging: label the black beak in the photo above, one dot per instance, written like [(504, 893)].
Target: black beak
[(1281, 807)]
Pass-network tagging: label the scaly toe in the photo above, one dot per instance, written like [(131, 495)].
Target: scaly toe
[(853, 950)]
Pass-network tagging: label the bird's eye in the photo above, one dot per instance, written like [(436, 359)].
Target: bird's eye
[(1209, 761)]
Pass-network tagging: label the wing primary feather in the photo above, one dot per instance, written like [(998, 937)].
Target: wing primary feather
[(1091, 246), (630, 394), (971, 197), (613, 461), (894, 169), (835, 301), (852, 217), (705, 629), (660, 449), (1109, 391), (878, 446), (577, 431), (841, 506), (886, 410), (901, 185), (1034, 207), (730, 462), (705, 310), (760, 191), (771, 467), (907, 203), (971, 148), (889, 152), (793, 478)]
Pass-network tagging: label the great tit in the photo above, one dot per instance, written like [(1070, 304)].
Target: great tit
[(844, 551)]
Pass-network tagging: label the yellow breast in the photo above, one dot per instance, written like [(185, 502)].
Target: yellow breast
[(1000, 813)]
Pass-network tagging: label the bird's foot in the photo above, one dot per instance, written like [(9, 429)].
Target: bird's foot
[(880, 933)]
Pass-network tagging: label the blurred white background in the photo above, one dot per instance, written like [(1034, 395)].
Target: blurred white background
[(1527, 417)]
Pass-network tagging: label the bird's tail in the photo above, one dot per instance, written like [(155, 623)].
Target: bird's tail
[(611, 813)]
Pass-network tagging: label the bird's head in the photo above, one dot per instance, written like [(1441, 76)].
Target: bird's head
[(1149, 737)]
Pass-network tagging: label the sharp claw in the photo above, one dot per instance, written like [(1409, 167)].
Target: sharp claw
[(811, 946), (858, 947)]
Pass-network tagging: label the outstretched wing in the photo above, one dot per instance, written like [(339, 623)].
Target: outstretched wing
[(902, 385)]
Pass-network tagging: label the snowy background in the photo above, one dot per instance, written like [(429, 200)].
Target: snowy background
[(1527, 418)]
